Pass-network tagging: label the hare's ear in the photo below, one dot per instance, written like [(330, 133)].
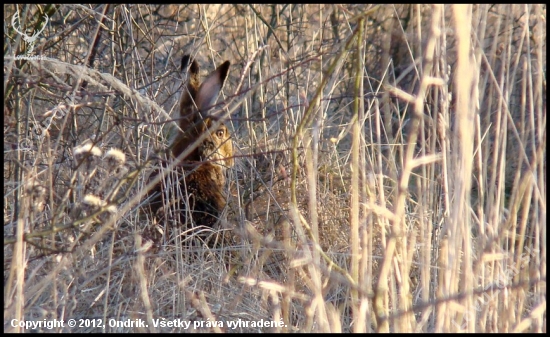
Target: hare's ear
[(184, 61), (194, 70), (211, 87), (194, 65)]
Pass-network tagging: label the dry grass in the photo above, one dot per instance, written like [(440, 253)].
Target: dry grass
[(390, 168)]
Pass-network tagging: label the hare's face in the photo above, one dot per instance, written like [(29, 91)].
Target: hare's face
[(217, 145)]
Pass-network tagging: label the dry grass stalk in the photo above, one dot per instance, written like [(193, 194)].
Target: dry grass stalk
[(390, 167)]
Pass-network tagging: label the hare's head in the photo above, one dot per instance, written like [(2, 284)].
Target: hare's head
[(196, 119), (217, 145)]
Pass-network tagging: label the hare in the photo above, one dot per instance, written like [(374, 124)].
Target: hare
[(206, 163)]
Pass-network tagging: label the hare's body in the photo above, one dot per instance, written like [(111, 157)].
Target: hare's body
[(207, 160)]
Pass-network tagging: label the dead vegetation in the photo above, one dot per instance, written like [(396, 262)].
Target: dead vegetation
[(390, 167)]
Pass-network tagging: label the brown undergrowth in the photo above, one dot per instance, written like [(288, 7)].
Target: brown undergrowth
[(389, 168)]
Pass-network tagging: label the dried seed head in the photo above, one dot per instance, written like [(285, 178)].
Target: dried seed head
[(110, 212), (111, 209), (92, 201), (115, 158), (86, 148)]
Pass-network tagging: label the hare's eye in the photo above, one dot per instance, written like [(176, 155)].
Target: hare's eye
[(220, 133)]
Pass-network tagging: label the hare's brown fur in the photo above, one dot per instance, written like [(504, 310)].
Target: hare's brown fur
[(205, 180)]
